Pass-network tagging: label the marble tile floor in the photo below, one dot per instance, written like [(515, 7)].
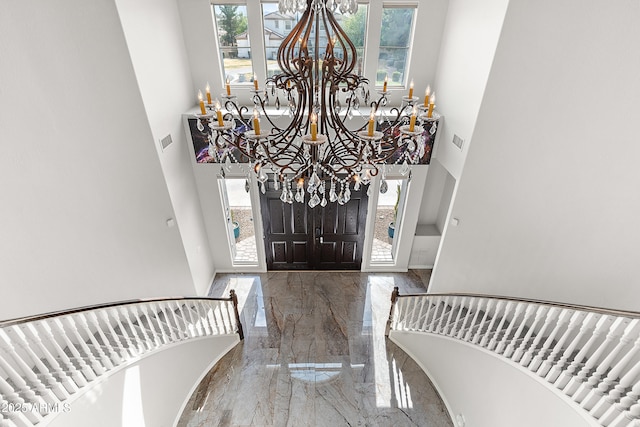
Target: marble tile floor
[(315, 354)]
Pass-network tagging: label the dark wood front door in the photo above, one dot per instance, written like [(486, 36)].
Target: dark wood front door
[(300, 238)]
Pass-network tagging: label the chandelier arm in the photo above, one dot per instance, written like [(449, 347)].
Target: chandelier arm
[(286, 54), (349, 61)]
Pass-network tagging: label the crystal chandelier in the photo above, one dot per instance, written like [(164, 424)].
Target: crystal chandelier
[(320, 146)]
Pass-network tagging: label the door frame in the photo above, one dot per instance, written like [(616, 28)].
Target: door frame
[(408, 220), (239, 172)]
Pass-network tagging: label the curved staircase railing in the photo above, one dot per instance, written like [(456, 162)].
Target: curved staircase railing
[(592, 355), (47, 360)]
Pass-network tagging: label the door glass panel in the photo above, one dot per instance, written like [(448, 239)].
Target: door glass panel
[(233, 39), (387, 222), (278, 26), (239, 216)]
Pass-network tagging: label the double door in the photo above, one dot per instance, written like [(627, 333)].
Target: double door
[(298, 237)]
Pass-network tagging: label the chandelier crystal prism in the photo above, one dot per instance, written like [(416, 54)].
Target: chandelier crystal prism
[(322, 145)]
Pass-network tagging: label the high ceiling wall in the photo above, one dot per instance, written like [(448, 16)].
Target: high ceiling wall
[(548, 199), (84, 200)]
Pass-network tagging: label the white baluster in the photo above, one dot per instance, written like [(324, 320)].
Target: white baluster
[(587, 394), (82, 323), (142, 342), (430, 306), (206, 306), (188, 322), (479, 330), (616, 330), (25, 373), (497, 313), (617, 409), (563, 318), (424, 302), (406, 313), (470, 329), (628, 418), (180, 325), (203, 317), (530, 311), (219, 310), (64, 386), (215, 320), (119, 350), (461, 304), (90, 318), (28, 345), (11, 395), (219, 331), (411, 313), (147, 326), (593, 326), (550, 319), (468, 317), (155, 312), (168, 319), (541, 312), (434, 314), (130, 347), (575, 320), (446, 303), (196, 326), (453, 308), (90, 371), (509, 307), (505, 342), (79, 377), (230, 316)]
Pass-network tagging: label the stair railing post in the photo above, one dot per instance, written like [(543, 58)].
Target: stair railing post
[(234, 300), (394, 297)]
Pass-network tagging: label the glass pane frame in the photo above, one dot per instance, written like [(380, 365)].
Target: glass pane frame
[(394, 53), (234, 53), (275, 30)]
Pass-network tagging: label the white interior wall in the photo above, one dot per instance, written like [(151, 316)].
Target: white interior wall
[(434, 187), (149, 392), (84, 203), (445, 201), (153, 31), (486, 390), (469, 38), (548, 202), (469, 41)]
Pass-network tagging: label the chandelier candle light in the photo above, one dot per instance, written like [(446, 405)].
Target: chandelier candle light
[(202, 109), (219, 114), (208, 89), (427, 93), (318, 147)]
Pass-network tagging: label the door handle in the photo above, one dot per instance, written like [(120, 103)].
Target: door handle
[(321, 239)]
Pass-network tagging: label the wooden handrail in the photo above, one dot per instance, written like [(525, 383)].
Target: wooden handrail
[(234, 300), (601, 310), (394, 297), (49, 315)]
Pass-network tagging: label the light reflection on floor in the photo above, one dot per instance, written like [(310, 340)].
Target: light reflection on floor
[(315, 354)]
